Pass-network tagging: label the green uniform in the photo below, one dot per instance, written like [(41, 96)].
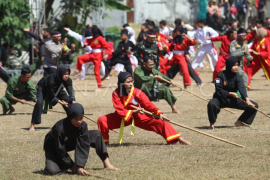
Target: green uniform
[(144, 80), (151, 49), (236, 50), (17, 89), (13, 63)]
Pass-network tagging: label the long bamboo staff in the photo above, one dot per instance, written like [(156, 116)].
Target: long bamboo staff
[(168, 120), (255, 108), (194, 94)]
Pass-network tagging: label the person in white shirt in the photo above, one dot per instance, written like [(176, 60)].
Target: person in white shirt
[(82, 38), (207, 45), (163, 28)]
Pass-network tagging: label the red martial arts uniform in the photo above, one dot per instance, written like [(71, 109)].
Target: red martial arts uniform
[(162, 60), (260, 61), (252, 35), (97, 44), (223, 54), (124, 113), (179, 58)]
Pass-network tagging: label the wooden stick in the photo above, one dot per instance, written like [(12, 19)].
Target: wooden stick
[(65, 113), (186, 127), (255, 108), (195, 94)]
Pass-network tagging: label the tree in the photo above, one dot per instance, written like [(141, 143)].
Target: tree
[(14, 15)]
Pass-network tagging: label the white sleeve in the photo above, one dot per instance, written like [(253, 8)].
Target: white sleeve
[(213, 32), (75, 35)]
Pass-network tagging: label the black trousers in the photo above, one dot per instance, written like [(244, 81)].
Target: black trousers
[(122, 60), (216, 104), (48, 71), (4, 75), (41, 95), (175, 69), (52, 164)]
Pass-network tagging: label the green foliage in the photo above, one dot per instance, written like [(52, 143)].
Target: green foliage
[(113, 29), (14, 15)]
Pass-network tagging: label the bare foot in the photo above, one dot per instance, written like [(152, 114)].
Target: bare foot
[(12, 110), (77, 79), (32, 128), (105, 77), (238, 123), (212, 127), (174, 109), (184, 142), (111, 167)]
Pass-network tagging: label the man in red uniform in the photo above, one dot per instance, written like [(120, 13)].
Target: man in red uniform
[(224, 53), (260, 50), (97, 43), (125, 96), (178, 46), (162, 59)]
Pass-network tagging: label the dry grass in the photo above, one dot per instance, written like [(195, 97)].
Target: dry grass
[(146, 155)]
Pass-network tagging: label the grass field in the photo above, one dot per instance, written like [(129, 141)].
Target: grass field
[(146, 155)]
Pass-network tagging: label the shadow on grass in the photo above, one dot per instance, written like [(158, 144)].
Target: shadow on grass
[(37, 128), (216, 127), (14, 114), (44, 173)]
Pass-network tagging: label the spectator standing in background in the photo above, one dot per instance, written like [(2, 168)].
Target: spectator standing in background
[(163, 28), (202, 9), (261, 5)]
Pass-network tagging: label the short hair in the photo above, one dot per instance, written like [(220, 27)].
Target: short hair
[(230, 31), (146, 21), (151, 23), (241, 30), (147, 58), (124, 31), (151, 31), (229, 23), (25, 70), (144, 24), (125, 25), (201, 21), (5, 45), (260, 21), (178, 21), (156, 29), (163, 22), (47, 29), (55, 32)]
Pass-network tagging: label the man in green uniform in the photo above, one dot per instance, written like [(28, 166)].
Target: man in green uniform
[(146, 79), (149, 47), (12, 62), (19, 89), (239, 49)]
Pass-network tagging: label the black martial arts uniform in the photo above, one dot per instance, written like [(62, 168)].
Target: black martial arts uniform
[(140, 37), (227, 82), (64, 137), (47, 90), (120, 55)]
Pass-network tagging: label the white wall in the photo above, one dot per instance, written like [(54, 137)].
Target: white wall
[(168, 10)]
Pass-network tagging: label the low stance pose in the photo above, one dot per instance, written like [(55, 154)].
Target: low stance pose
[(228, 83)]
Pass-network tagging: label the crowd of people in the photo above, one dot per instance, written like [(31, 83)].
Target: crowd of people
[(151, 63)]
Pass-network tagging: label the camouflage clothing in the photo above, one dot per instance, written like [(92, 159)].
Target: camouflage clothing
[(13, 63), (144, 48)]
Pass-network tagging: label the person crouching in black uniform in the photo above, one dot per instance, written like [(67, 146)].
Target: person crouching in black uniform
[(68, 134), (228, 83)]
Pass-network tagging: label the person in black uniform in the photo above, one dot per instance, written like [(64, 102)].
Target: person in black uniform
[(121, 54), (71, 134), (142, 34), (228, 84), (50, 89), (3, 74)]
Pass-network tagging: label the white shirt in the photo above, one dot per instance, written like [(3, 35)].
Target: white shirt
[(81, 38), (131, 34), (200, 34), (164, 31)]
